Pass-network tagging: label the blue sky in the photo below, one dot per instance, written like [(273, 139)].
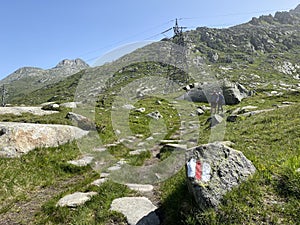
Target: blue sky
[(41, 33)]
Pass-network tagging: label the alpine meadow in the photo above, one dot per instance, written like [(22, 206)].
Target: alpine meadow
[(114, 144)]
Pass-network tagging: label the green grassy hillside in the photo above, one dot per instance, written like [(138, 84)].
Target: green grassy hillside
[(270, 140), (61, 91), (32, 184)]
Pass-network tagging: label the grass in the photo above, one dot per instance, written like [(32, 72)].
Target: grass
[(60, 91), (56, 118), (40, 168), (96, 211), (47, 167), (270, 140)]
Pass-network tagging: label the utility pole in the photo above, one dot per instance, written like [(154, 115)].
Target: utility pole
[(178, 56), (178, 34)]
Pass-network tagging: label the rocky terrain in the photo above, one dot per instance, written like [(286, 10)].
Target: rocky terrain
[(139, 144)]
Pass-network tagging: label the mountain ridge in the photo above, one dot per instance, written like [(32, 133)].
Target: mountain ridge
[(65, 67), (28, 79), (264, 57), (265, 47)]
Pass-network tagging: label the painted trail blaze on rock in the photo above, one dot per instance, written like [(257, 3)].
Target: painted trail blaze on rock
[(214, 169), (198, 174), (200, 171)]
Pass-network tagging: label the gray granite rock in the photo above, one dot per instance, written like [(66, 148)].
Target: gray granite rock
[(213, 170), (81, 121), (98, 182), (20, 138), (137, 210), (75, 199), (140, 187), (84, 161)]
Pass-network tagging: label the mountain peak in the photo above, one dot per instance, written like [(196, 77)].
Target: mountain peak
[(292, 17), (72, 63), (296, 10)]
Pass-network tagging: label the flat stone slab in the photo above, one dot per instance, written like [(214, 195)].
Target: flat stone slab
[(75, 199), (137, 152), (104, 175), (99, 181), (20, 110), (137, 210), (177, 146), (140, 187), (169, 141), (249, 107), (114, 168), (256, 112), (84, 161)]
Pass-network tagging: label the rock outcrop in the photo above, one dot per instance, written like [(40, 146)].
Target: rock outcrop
[(71, 105), (75, 63), (215, 120), (213, 170), (20, 138), (155, 115), (246, 112), (233, 92), (81, 121)]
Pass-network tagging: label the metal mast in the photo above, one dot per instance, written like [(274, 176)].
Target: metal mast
[(178, 55)]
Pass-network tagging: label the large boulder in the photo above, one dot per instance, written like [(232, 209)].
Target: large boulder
[(18, 110), (214, 120), (233, 92), (81, 121), (20, 138), (213, 170), (71, 105), (50, 106)]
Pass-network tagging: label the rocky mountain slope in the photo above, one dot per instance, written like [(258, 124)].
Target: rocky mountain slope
[(139, 124), (260, 50), (261, 55), (28, 79)]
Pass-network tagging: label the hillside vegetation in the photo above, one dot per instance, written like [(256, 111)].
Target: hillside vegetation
[(270, 140), (262, 55)]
